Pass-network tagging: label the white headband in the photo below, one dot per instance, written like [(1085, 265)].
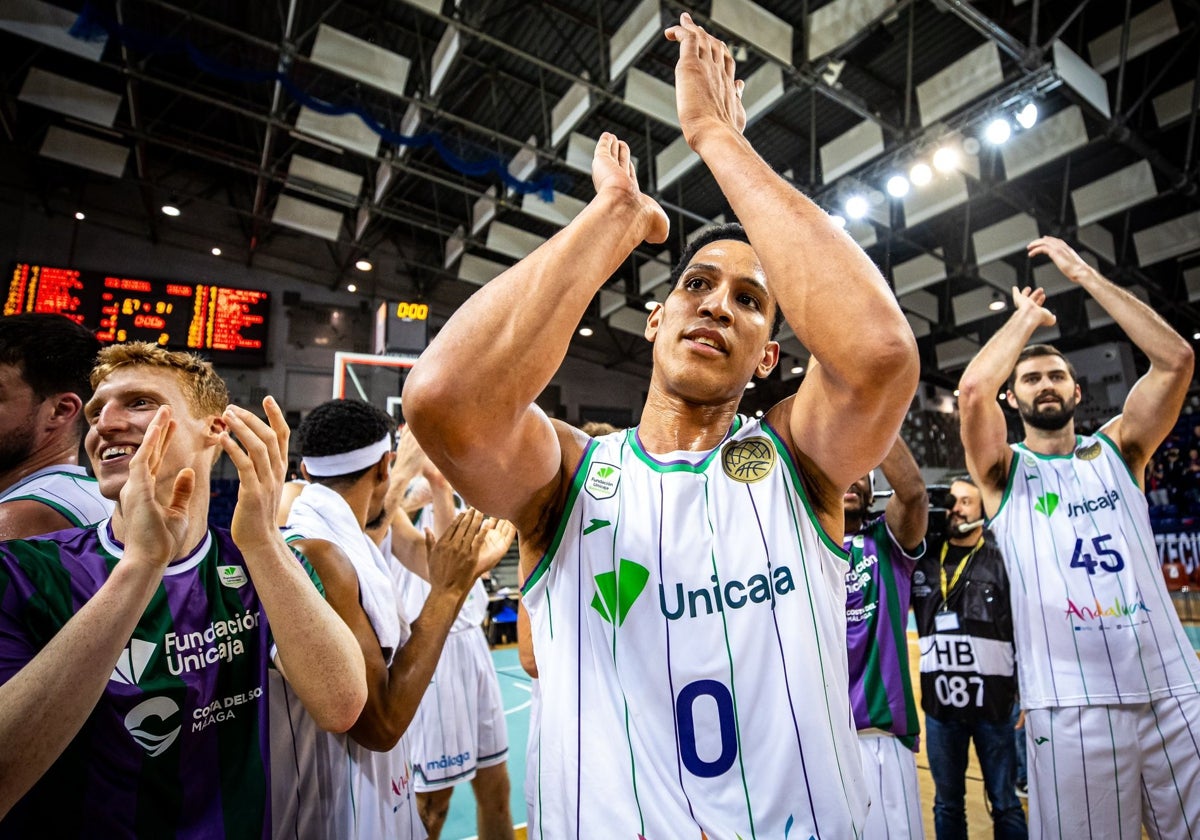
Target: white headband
[(347, 462)]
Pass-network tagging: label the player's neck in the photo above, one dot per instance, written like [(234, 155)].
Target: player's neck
[(670, 423), (61, 452), (854, 523), (1047, 442)]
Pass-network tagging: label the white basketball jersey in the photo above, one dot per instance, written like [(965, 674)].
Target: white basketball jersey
[(689, 621), (1091, 614), (66, 488)]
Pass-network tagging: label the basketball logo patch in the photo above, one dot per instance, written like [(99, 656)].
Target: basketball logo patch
[(748, 460), (1088, 453)]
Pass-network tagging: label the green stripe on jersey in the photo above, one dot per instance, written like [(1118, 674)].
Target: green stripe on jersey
[(632, 439), (66, 513), (786, 457), (565, 517)]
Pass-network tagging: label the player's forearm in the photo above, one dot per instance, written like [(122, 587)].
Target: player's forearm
[(904, 476), (321, 656), (994, 363), (45, 705), (410, 674), (1166, 349), (819, 275), (501, 348)]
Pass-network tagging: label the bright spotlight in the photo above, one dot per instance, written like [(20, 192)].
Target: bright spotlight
[(363, 265), (897, 186), (350, 287), (837, 219), (997, 304), (79, 217), (857, 206), (585, 331), (1028, 115), (216, 252), (945, 159), (798, 369), (170, 210), (749, 385), (998, 131), (920, 174)]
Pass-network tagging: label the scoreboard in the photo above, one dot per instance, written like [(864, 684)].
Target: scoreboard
[(221, 321)]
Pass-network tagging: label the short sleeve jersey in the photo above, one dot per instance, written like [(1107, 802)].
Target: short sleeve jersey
[(878, 591), (177, 744)]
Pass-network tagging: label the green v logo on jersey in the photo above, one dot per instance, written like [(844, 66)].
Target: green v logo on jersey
[(1046, 504), (1039, 741), (596, 525), (617, 591), (133, 662)]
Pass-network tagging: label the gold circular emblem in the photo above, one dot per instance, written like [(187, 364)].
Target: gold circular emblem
[(748, 460), (1088, 453)]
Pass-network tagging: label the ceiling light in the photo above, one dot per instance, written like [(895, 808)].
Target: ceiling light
[(856, 206), (1028, 115), (79, 217), (351, 288), (216, 252), (920, 174), (749, 385), (998, 131), (650, 304), (586, 331), (945, 159), (170, 210), (956, 392), (897, 186), (1196, 336), (838, 219), (363, 265), (798, 369), (758, 413), (997, 304)]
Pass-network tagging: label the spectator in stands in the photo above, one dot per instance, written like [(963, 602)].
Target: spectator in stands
[(45, 361)]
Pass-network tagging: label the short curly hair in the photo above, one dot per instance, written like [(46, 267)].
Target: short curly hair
[(338, 426), (203, 387)]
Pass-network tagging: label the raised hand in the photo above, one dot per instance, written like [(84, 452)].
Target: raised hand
[(498, 535), (454, 560), (706, 93), (260, 456), (1031, 299), (155, 532), (1063, 256), (613, 169)]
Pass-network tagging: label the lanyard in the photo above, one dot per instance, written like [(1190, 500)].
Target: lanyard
[(962, 564)]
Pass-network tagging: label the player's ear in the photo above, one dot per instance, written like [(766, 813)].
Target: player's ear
[(770, 358), (64, 409), (1011, 398), (653, 322)]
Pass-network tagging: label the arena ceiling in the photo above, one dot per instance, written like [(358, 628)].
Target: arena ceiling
[(283, 131)]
